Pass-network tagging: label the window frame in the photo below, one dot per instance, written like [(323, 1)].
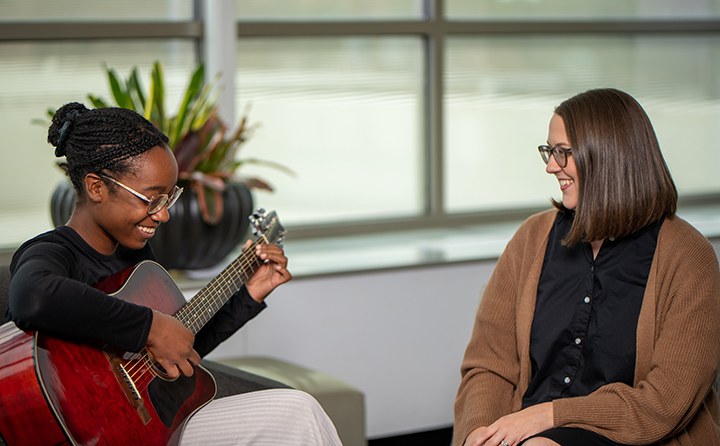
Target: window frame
[(433, 28)]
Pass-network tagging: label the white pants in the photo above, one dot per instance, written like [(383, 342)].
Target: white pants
[(273, 417)]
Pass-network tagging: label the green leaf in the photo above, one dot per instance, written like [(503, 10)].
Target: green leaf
[(135, 89), (158, 76), (121, 97), (203, 108), (97, 102), (42, 122), (154, 108), (190, 95), (150, 101)]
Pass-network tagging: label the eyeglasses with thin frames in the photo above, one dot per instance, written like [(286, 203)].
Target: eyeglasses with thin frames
[(156, 202), (559, 153)]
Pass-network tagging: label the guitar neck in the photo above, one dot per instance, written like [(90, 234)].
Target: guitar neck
[(208, 301)]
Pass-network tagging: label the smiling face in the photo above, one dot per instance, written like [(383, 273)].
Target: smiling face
[(113, 216), (566, 176), (131, 225)]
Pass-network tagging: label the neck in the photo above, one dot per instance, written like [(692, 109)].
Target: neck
[(596, 245), (91, 233)]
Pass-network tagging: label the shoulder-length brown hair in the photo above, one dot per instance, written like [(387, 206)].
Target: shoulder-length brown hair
[(623, 181)]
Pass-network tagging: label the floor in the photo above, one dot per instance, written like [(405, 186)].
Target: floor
[(437, 437)]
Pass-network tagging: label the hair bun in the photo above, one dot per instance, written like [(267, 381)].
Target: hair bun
[(61, 126)]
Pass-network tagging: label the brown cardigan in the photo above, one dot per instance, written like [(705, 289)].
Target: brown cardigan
[(678, 346)]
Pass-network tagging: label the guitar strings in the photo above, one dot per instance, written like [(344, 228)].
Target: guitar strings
[(142, 370), (219, 290), (200, 299)]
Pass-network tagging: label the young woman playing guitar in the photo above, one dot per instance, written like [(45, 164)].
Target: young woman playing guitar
[(124, 175)]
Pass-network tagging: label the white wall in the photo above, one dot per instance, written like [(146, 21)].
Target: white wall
[(397, 335)]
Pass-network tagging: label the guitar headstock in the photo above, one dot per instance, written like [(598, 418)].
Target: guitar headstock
[(268, 225)]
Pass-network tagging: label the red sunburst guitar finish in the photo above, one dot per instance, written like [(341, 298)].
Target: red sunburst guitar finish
[(66, 392)]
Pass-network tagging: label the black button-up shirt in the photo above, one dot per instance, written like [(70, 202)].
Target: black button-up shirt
[(584, 330)]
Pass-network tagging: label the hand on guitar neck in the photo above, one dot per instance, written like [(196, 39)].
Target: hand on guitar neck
[(271, 274), (171, 345)]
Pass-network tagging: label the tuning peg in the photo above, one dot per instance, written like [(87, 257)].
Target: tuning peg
[(259, 214)]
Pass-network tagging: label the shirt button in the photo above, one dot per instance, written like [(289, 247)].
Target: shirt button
[(587, 300), (578, 341), (567, 380)]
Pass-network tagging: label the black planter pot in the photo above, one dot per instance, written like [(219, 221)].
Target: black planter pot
[(61, 203), (185, 241)]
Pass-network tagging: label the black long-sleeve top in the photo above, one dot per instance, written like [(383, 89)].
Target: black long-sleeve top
[(51, 291)]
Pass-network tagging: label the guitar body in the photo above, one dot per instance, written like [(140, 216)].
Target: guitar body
[(25, 417), (55, 391)]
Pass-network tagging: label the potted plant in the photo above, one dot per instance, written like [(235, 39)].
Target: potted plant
[(211, 217)]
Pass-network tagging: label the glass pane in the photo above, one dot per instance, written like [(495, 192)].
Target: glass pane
[(87, 10), (345, 114), (328, 9), (39, 76), (500, 94), (585, 9)]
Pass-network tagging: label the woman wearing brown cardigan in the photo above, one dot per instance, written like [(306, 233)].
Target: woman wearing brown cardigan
[(599, 325)]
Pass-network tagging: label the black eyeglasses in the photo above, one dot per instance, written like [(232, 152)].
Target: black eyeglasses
[(156, 202), (559, 153)]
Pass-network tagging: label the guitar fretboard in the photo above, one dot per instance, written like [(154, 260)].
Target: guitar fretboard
[(203, 306)]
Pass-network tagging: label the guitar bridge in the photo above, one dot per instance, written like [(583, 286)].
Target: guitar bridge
[(127, 384)]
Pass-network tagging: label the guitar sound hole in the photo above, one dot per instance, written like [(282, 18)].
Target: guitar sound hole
[(160, 371)]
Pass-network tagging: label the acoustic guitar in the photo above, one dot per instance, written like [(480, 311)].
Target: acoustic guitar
[(67, 392)]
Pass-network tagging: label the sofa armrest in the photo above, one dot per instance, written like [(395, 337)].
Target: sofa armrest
[(233, 381)]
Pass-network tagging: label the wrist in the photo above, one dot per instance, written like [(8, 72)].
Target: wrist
[(255, 294), (549, 415)]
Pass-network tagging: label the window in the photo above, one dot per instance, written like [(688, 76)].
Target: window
[(46, 75), (49, 61), (346, 115), (501, 90), (395, 115), (494, 71)]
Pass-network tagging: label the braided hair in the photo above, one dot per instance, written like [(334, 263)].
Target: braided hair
[(100, 140)]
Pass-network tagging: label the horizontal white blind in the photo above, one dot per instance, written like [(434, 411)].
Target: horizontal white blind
[(346, 115), (353, 10), (582, 9), (501, 92), (38, 76), (99, 10)]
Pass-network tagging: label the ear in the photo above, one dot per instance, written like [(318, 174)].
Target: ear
[(94, 187)]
